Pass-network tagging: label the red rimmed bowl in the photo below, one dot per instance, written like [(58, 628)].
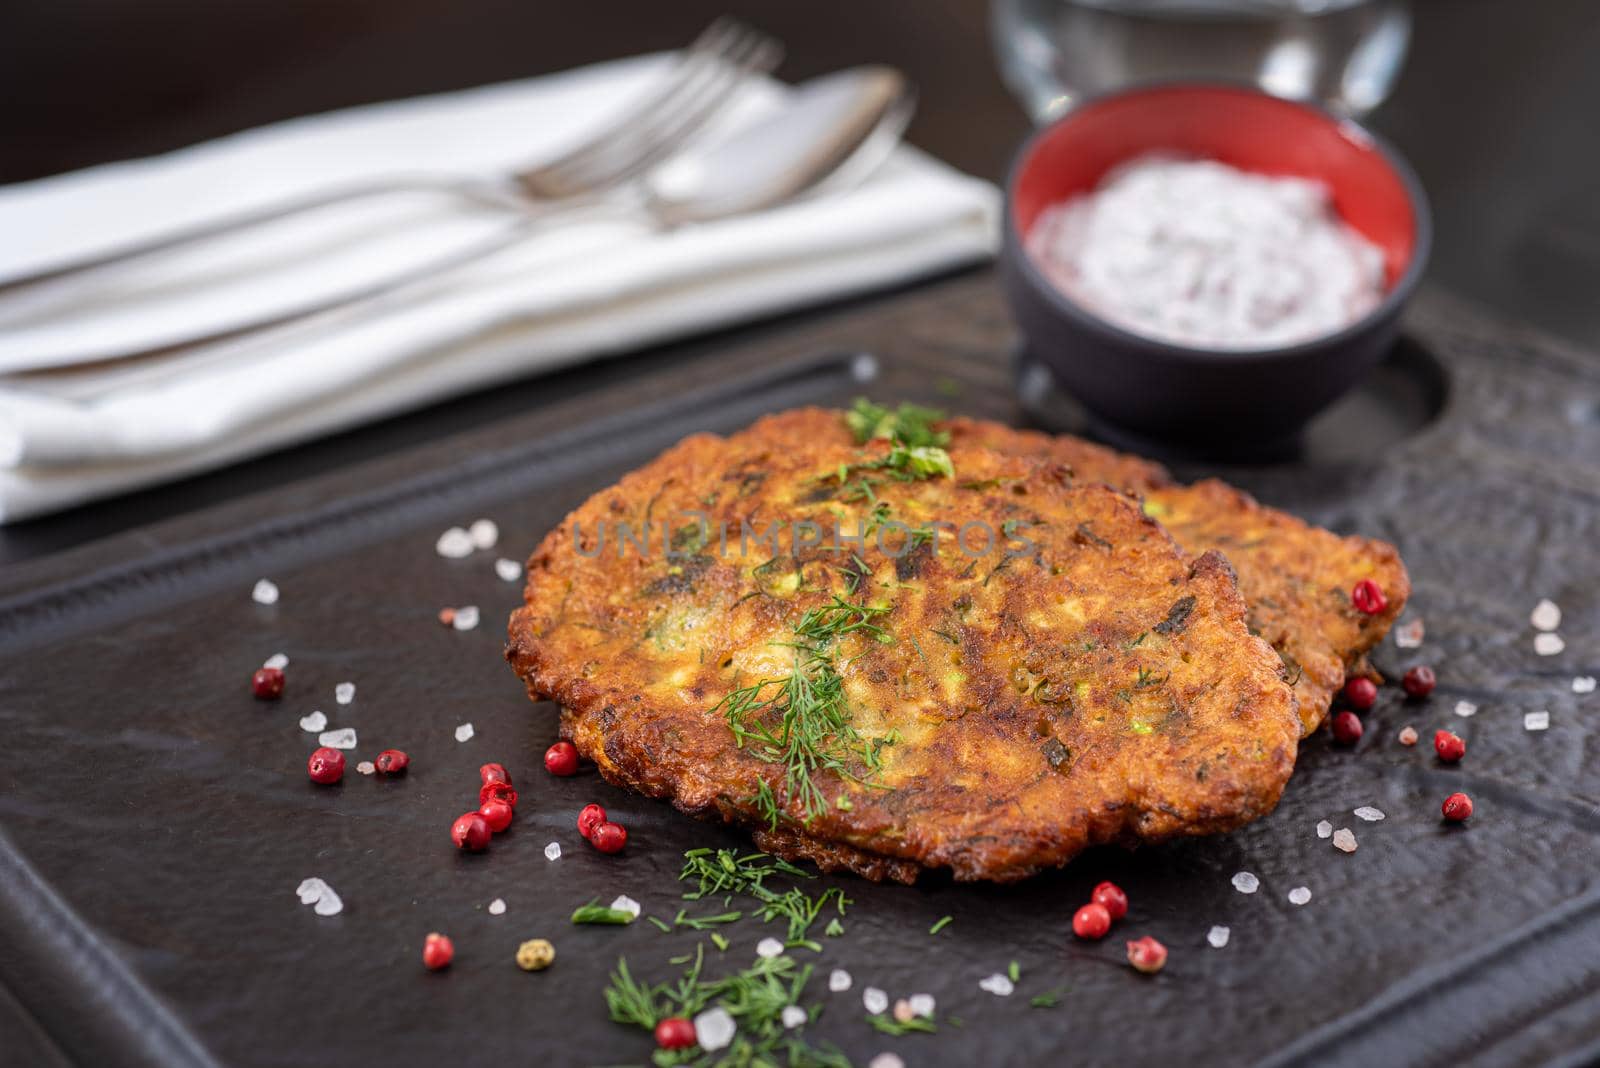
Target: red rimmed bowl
[(1198, 398)]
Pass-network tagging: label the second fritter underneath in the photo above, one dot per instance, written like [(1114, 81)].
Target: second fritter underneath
[(990, 708)]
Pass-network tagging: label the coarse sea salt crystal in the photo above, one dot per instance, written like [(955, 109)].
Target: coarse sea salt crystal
[(345, 692), (1409, 635), (1324, 828), (454, 544), (276, 660), (624, 903), (1408, 735), (793, 1016), (887, 1060), (1546, 615), (874, 1000), (464, 732), (313, 723), (508, 570), (1536, 721), (497, 907), (839, 981), (922, 1004), (1246, 883), (366, 767), (1548, 644), (484, 534), (997, 984), (266, 592), (1583, 684), (466, 617), (714, 1029), (769, 947), (1344, 840), (310, 889), (552, 851), (1368, 813), (343, 738), (329, 903), (1299, 895), (1466, 709), (1218, 936)]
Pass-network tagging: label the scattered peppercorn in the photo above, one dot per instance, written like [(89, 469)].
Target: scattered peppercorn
[(267, 683), (609, 837), (437, 952), (535, 955), (497, 791), (561, 759), (1092, 921), (470, 831), (1419, 681), (1347, 728), (1111, 896), (326, 766), (1450, 747), (493, 773), (1147, 955), (1457, 807), (675, 1032), (447, 617), (1360, 693), (591, 817), (1368, 598), (496, 813), (392, 761)]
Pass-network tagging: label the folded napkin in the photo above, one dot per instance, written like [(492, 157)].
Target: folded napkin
[(71, 432)]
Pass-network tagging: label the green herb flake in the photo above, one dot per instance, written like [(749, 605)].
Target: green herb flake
[(1014, 971), (593, 913), (940, 924), (1048, 1000)]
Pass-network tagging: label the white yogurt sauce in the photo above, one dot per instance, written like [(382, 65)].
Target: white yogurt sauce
[(1200, 253)]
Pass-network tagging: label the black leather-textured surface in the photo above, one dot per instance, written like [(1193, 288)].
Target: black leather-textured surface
[(170, 812)]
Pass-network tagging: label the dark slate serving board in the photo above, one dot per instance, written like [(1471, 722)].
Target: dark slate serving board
[(158, 819)]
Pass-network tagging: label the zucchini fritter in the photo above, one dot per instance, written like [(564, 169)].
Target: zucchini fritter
[(1019, 667)]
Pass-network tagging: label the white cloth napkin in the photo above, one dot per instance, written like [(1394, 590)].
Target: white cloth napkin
[(575, 292)]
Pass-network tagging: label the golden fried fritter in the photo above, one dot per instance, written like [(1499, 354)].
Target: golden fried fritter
[(1296, 578), (1014, 666)]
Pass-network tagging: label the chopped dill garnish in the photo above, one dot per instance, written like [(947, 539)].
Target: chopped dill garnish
[(1014, 971), (834, 928), (662, 924), (1048, 999), (724, 872), (703, 923), (890, 1026), (941, 924), (910, 424), (595, 913), (719, 941)]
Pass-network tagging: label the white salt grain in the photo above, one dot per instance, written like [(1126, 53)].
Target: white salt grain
[(1409, 635), (310, 889), (1536, 721), (1466, 709), (1218, 936), (466, 617), (314, 723), (552, 851), (1344, 840), (1583, 684), (345, 692), (1408, 735), (1324, 829), (714, 1029), (886, 1060), (366, 767), (1299, 895), (1246, 883), (276, 660), (769, 947), (922, 1004), (464, 732), (266, 592), (624, 903), (874, 1000), (793, 1016), (508, 570), (454, 544), (998, 985), (497, 907), (329, 904), (839, 981), (1368, 813), (1548, 644), (1546, 615), (343, 738), (484, 534)]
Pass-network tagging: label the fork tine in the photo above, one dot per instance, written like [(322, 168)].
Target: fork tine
[(663, 138), (698, 61)]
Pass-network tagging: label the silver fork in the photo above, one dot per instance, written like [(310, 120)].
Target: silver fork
[(661, 121)]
